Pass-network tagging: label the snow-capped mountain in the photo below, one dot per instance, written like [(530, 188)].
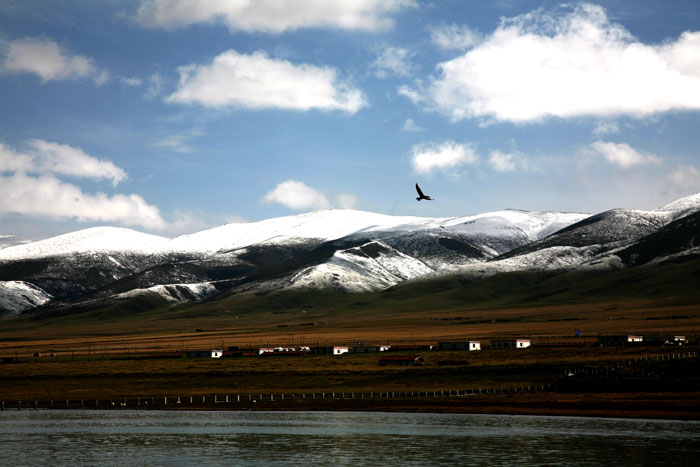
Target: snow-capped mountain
[(342, 250)]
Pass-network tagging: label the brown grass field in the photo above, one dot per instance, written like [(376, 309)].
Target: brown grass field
[(102, 359)]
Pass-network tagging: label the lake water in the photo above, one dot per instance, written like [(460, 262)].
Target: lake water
[(338, 438)]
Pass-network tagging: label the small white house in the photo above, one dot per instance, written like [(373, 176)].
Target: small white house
[(340, 350), (217, 353), (263, 350), (631, 338), (474, 345)]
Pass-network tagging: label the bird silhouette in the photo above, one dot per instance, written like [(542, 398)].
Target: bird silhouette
[(421, 195)]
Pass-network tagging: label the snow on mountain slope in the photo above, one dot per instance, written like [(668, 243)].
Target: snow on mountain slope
[(173, 293), (533, 224), (555, 258), (7, 241), (93, 240), (17, 296), (682, 207), (323, 225), (320, 225), (370, 267), (333, 224)]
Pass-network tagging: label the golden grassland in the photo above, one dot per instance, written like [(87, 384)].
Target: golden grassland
[(169, 332), (91, 361)]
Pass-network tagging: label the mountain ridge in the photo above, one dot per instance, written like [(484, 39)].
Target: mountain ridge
[(347, 251)]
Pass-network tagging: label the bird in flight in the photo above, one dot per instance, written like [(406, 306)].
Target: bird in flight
[(421, 195)]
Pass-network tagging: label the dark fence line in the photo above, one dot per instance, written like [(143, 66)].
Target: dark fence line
[(627, 362), (174, 402), (247, 399)]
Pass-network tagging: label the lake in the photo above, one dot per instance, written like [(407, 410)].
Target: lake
[(173, 438)]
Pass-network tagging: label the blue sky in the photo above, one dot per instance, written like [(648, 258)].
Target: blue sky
[(172, 116)]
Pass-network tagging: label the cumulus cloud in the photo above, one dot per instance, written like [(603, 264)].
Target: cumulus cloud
[(47, 196), (299, 196), (29, 186), (272, 16), (49, 157), (392, 61), (569, 62), (45, 58), (429, 157), (454, 36), (257, 81), (67, 160), (685, 178), (623, 155)]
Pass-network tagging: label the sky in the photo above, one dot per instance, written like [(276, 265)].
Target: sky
[(174, 116)]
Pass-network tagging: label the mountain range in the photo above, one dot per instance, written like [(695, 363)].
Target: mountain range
[(337, 251)]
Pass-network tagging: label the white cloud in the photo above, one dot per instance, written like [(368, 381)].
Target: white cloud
[(454, 37), (623, 155), (509, 161), (428, 157), (45, 58), (299, 196), (12, 161), (502, 162), (29, 186), (155, 85), (67, 160), (192, 221), (411, 94), (272, 16), (346, 201), (685, 178), (257, 81), (410, 125), (133, 82), (48, 197), (49, 157), (392, 61), (178, 142), (567, 63), (605, 128)]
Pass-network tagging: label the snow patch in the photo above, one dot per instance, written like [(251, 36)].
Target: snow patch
[(17, 296), (174, 293), (371, 267)]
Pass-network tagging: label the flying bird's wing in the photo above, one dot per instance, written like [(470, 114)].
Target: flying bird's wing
[(420, 193)]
